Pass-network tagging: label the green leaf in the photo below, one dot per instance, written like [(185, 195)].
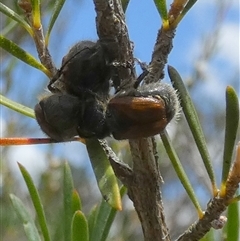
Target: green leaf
[(17, 107), (36, 202), (76, 202), (8, 28), (232, 120), (180, 171), (125, 4), (21, 54), (101, 219), (92, 220), (79, 227), (194, 123), (10, 13), (209, 236), (162, 9), (232, 227), (36, 14), (28, 223), (57, 8), (67, 196), (106, 179)]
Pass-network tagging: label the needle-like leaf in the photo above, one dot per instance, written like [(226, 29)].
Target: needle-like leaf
[(17, 107), (16, 141), (180, 171), (68, 204), (36, 202), (103, 171), (28, 222), (162, 9), (76, 202), (233, 224), (57, 9), (10, 13), (194, 123), (232, 120), (21, 54), (79, 229), (101, 219), (125, 4)]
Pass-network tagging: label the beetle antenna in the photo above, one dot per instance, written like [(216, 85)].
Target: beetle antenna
[(145, 72)]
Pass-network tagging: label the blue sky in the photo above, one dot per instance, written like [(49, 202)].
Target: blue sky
[(77, 22)]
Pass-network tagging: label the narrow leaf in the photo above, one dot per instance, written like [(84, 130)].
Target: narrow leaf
[(57, 8), (103, 219), (232, 227), (92, 221), (21, 54), (10, 13), (235, 199), (232, 120), (76, 202), (79, 227), (28, 223), (125, 4), (8, 141), (67, 195), (8, 28), (194, 123), (36, 15), (106, 179), (209, 236), (36, 202), (162, 9), (16, 106), (180, 171)]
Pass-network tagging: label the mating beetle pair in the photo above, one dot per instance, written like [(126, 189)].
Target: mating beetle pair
[(80, 103), (80, 93)]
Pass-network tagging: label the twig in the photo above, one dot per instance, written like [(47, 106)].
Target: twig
[(43, 52), (121, 169), (216, 206), (145, 190), (112, 29), (39, 39), (144, 181), (160, 54)]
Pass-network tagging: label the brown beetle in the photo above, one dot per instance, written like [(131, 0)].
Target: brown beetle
[(142, 113)]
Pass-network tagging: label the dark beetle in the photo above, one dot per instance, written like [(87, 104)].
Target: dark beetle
[(63, 116), (80, 94), (87, 66)]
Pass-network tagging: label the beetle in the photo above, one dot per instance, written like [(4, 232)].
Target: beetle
[(80, 93), (85, 67), (63, 116), (143, 112), (80, 103)]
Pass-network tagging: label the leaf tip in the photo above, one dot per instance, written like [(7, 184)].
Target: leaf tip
[(20, 165)]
